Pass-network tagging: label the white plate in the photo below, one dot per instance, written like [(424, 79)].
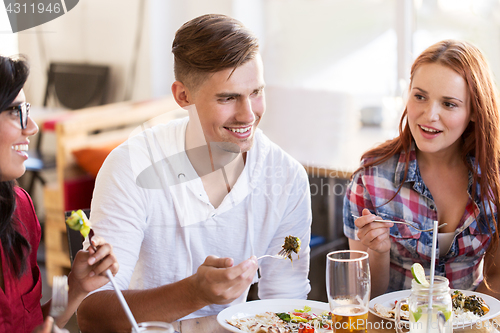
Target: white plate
[(252, 308), (390, 299)]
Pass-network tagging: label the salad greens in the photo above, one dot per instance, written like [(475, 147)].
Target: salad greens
[(299, 317)]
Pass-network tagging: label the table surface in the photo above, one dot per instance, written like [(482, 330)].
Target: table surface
[(375, 325)]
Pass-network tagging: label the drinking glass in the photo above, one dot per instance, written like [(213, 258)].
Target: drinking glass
[(418, 304), (155, 327), (348, 289)]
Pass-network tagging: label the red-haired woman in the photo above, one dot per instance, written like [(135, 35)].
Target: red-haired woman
[(443, 166)]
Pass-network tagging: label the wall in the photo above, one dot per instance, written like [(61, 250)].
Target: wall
[(166, 16), (104, 32), (95, 31)]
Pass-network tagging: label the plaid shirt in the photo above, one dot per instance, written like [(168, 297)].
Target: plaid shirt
[(371, 188)]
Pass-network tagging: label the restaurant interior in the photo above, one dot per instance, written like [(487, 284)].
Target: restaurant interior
[(336, 75)]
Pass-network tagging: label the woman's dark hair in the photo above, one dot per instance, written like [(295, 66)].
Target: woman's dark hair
[(13, 75)]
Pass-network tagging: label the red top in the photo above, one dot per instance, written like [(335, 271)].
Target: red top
[(20, 309)]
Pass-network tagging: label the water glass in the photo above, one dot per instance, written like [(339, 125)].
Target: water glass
[(348, 289), (155, 327)]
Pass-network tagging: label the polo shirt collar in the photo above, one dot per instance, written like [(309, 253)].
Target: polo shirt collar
[(251, 176)]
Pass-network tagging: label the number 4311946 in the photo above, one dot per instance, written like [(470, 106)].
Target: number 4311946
[(18, 8)]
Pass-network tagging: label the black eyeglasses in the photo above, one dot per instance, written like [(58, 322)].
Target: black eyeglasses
[(23, 111)]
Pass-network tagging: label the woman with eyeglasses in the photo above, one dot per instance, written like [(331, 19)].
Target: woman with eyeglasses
[(20, 232)]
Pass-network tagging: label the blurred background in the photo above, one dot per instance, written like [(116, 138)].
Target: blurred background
[(362, 47), (336, 72)]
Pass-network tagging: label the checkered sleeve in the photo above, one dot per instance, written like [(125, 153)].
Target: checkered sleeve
[(356, 199)]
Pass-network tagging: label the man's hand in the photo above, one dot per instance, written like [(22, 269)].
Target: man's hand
[(218, 282), (374, 235)]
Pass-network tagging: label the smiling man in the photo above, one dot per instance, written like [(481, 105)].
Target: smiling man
[(189, 205)]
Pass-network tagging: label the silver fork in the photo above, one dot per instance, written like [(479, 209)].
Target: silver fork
[(283, 254), (59, 296), (276, 256), (407, 223)]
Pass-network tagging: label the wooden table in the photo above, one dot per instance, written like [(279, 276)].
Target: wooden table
[(375, 325)]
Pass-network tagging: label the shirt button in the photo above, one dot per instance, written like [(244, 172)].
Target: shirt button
[(213, 215), (432, 207)]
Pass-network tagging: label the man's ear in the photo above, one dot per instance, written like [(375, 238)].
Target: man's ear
[(181, 94)]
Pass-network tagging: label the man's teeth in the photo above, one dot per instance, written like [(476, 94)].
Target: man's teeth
[(240, 130), (20, 147), (429, 129)]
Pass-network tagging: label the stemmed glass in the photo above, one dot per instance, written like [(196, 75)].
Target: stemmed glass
[(59, 296), (348, 289)]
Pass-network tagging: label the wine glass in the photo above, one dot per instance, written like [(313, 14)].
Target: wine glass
[(348, 289), (155, 327), (59, 296)]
